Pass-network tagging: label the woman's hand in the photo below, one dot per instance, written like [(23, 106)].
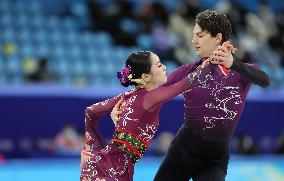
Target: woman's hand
[(84, 158), (116, 112)]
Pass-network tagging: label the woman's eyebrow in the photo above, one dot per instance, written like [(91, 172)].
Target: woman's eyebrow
[(158, 62)]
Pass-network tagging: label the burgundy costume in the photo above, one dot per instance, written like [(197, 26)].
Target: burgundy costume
[(137, 125), (200, 150)]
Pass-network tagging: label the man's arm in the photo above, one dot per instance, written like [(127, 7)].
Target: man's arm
[(223, 56), (251, 73)]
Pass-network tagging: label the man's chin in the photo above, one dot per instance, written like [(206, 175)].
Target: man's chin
[(199, 54)]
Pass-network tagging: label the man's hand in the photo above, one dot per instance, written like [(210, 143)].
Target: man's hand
[(222, 56), (115, 113)]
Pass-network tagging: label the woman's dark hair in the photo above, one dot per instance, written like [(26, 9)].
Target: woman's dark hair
[(139, 63), (215, 22)]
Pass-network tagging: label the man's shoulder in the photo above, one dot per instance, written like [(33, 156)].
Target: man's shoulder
[(190, 65)]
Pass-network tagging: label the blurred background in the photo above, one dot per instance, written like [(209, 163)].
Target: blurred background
[(58, 57)]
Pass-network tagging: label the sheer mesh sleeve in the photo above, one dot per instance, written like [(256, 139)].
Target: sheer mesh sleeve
[(179, 74), (157, 97), (94, 139)]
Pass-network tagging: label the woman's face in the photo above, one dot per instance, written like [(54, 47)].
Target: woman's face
[(158, 74)]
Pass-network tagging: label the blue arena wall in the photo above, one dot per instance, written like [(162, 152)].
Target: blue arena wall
[(38, 113)]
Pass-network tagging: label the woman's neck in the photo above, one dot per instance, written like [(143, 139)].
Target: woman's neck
[(148, 87)]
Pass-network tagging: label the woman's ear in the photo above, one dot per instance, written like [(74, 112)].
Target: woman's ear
[(146, 77)]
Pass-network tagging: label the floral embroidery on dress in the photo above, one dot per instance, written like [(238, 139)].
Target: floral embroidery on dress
[(97, 179), (86, 179)]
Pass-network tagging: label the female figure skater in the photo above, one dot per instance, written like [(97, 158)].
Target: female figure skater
[(139, 117)]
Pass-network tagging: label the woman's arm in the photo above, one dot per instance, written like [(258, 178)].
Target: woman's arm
[(179, 73), (160, 95), (93, 139)]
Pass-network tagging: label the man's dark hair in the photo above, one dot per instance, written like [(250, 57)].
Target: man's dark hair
[(214, 22)]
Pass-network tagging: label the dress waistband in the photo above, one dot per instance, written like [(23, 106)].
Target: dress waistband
[(130, 143)]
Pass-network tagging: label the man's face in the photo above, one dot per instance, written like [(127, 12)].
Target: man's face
[(204, 42)]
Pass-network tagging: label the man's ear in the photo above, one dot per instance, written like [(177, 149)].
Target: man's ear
[(219, 38)]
